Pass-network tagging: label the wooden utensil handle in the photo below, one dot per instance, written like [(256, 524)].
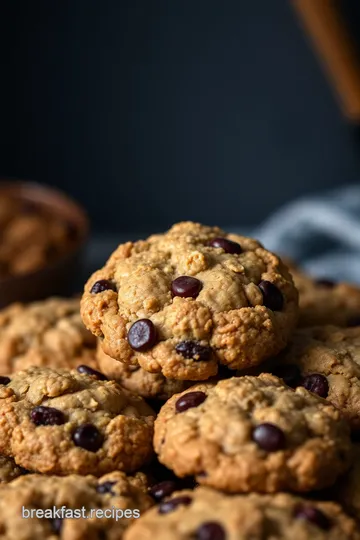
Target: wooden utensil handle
[(333, 43)]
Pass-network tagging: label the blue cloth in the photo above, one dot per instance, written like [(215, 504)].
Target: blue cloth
[(320, 232)]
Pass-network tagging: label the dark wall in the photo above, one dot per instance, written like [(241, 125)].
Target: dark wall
[(152, 111)]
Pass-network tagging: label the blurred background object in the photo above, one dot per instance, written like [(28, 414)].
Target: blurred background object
[(152, 112), (325, 23), (43, 235)]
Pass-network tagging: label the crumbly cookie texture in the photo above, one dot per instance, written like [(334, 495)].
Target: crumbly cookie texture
[(9, 470), (208, 514), (139, 381), (113, 492), (326, 360), (347, 490), (182, 302), (46, 333), (323, 301), (253, 434), (63, 422)]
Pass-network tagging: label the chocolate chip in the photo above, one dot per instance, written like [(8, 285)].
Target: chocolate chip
[(4, 380), (189, 400), (168, 506), (87, 370), (88, 436), (210, 531), (102, 285), (317, 384), (142, 335), (290, 374), (355, 436), (312, 514), (269, 437), (106, 487), (47, 416), (56, 525), (323, 282), (193, 349), (353, 321), (227, 245), (186, 287), (163, 489), (24, 471), (272, 296)]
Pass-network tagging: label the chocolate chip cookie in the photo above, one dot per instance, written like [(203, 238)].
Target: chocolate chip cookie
[(139, 381), (118, 500), (322, 301), (253, 434), (206, 514), (63, 422), (47, 333), (182, 302), (326, 361)]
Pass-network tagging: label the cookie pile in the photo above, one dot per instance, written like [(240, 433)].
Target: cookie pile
[(256, 422)]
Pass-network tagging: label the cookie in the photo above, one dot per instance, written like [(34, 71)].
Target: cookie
[(9, 470), (347, 490), (326, 361), (206, 514), (32, 236), (137, 380), (182, 302), (253, 434), (47, 333), (63, 422), (118, 500), (322, 301)]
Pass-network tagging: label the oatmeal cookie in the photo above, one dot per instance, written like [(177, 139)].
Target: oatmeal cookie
[(63, 422), (45, 333), (253, 434), (206, 514), (182, 302)]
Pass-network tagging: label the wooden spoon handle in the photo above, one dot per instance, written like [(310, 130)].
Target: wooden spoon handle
[(334, 45)]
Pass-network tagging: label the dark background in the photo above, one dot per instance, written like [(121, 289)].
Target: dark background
[(153, 111)]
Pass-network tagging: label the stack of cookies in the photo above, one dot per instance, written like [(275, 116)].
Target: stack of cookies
[(257, 415)]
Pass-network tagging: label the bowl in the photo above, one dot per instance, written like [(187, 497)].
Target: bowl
[(60, 276)]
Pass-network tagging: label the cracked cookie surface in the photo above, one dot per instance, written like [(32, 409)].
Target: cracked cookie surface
[(62, 422), (125, 494), (208, 514), (45, 333), (326, 360), (182, 302), (253, 434), (137, 380)]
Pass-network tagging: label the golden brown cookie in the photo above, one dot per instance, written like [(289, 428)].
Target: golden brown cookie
[(326, 361), (182, 302), (139, 381), (206, 514), (63, 422), (95, 507), (253, 434), (46, 333), (322, 301)]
